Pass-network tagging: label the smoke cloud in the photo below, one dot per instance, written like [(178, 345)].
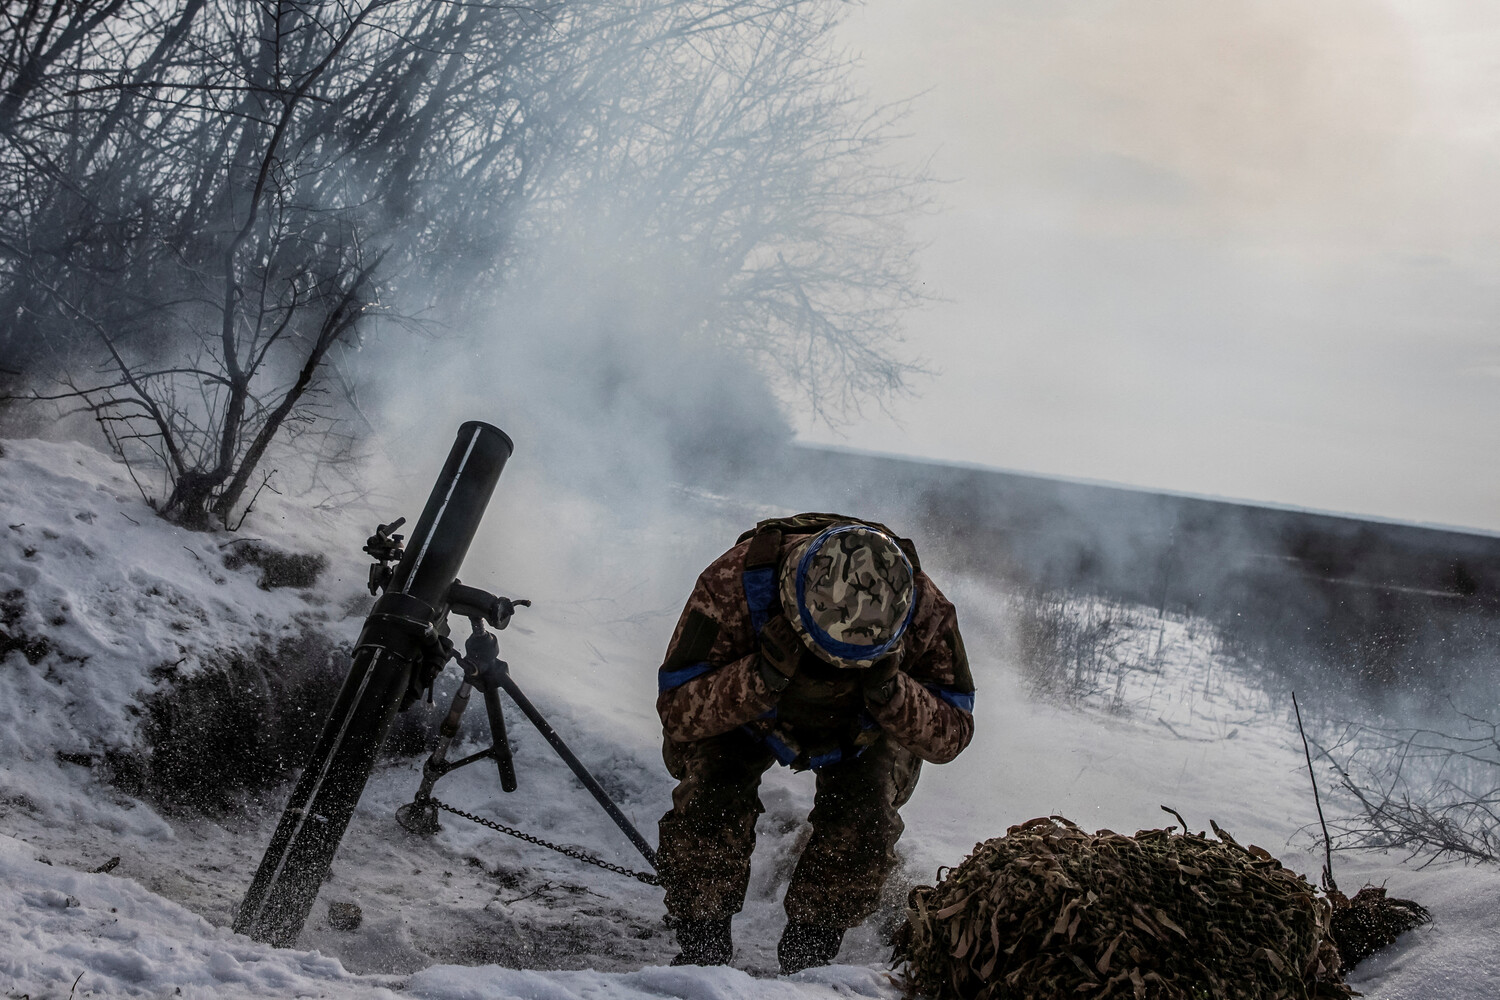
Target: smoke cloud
[(1244, 249)]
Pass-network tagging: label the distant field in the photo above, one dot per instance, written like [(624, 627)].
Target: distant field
[(1359, 605)]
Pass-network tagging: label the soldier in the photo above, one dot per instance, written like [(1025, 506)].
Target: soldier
[(818, 643)]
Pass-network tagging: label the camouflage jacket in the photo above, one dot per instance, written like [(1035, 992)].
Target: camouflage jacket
[(710, 683)]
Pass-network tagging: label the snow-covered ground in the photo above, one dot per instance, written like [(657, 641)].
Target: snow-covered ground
[(468, 913)]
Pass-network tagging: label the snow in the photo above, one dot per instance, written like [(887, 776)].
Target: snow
[(469, 913), (125, 941), (118, 591), (451, 983), (1457, 955)]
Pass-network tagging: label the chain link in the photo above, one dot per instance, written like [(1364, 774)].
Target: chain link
[(571, 852)]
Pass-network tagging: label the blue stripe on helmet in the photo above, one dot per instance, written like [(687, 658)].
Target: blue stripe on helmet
[(830, 645), (666, 680)]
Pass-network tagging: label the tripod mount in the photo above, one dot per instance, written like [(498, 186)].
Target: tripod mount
[(484, 670), (401, 649)]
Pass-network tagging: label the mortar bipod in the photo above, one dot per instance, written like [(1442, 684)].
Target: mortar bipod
[(481, 666), (484, 669)]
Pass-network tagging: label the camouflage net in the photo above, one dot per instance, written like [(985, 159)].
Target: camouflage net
[(1048, 912)]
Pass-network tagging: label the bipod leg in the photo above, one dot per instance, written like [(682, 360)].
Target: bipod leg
[(501, 672), (501, 749), (420, 815), (481, 666)]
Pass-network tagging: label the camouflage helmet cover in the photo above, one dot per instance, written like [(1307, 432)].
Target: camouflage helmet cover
[(848, 591)]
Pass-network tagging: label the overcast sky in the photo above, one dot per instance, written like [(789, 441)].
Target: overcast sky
[(1248, 248)]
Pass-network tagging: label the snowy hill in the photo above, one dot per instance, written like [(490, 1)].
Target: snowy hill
[(107, 611)]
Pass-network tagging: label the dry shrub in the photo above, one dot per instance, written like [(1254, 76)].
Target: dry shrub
[(1049, 911), (243, 724), (1430, 792), (1075, 648), (1370, 921)]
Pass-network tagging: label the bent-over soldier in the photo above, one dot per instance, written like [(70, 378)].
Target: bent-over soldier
[(818, 643)]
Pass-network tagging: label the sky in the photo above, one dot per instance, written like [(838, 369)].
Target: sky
[(1248, 248)]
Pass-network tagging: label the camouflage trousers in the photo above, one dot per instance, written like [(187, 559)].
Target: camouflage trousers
[(706, 838)]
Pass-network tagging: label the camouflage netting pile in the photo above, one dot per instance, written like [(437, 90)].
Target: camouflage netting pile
[(1048, 911)]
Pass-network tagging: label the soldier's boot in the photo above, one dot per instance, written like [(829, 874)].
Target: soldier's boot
[(803, 946), (704, 942)]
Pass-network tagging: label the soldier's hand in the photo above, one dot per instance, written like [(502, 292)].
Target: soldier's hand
[(436, 650), (780, 652), (879, 681)]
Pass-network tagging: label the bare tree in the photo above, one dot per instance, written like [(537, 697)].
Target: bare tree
[(70, 74), (216, 202), (284, 163), (730, 141)]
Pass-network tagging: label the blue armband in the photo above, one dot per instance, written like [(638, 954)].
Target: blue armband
[(961, 700), (667, 680)]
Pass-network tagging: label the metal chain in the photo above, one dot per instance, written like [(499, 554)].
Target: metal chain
[(571, 852)]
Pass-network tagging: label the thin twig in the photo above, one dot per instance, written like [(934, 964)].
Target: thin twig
[(264, 482), (1328, 882)]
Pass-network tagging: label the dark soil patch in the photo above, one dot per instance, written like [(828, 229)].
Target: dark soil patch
[(241, 725), (12, 637), (12, 607), (33, 647), (277, 568)]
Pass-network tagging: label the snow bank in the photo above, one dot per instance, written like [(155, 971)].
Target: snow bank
[(116, 593), (115, 939), (104, 936)]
